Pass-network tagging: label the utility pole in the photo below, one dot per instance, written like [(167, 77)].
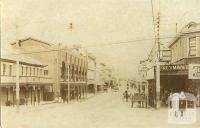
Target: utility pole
[(158, 102), (86, 74), (17, 74), (17, 82), (68, 86), (95, 78), (0, 67), (58, 73)]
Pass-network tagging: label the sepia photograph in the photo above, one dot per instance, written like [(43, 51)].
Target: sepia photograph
[(99, 63)]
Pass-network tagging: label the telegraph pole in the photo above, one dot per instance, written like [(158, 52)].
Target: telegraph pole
[(68, 68), (68, 86), (95, 78), (158, 102), (17, 75), (58, 72), (0, 67), (86, 74)]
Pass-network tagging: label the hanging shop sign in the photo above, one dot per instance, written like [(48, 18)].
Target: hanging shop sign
[(179, 67), (165, 55), (194, 71), (150, 74)]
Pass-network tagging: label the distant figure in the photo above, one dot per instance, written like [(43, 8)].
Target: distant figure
[(126, 95), (182, 104)]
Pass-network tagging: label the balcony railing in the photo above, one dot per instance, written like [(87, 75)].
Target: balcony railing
[(25, 79)]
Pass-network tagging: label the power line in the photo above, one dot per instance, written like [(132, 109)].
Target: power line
[(99, 45)]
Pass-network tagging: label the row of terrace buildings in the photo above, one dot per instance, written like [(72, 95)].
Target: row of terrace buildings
[(48, 71), (179, 66)]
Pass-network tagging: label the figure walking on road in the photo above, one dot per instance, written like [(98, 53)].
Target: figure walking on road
[(126, 95)]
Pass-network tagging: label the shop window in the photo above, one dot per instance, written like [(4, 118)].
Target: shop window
[(10, 70), (4, 69), (192, 46)]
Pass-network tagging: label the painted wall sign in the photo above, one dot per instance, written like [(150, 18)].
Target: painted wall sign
[(194, 71), (173, 67)]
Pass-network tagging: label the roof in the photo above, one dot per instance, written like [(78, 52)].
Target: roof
[(191, 27), (7, 55), (91, 56), (34, 39)]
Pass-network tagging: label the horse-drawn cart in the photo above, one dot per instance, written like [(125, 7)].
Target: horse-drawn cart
[(139, 99)]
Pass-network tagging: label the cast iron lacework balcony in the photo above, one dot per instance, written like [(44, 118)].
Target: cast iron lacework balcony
[(26, 79)]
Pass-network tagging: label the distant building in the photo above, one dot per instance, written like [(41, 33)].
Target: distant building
[(105, 75), (91, 75)]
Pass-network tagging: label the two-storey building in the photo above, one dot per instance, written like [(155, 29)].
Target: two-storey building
[(34, 81), (181, 66), (67, 66)]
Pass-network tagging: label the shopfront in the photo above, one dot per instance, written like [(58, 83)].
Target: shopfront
[(175, 78)]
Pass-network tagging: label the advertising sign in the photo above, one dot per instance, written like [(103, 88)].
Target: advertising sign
[(194, 71), (150, 74), (180, 67)]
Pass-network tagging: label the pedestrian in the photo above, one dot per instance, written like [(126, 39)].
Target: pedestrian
[(132, 100), (127, 95)]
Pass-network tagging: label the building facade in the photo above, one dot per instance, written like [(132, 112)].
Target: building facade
[(91, 75), (180, 70), (67, 66), (34, 81)]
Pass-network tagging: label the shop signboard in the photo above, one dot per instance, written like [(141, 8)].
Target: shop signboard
[(150, 74), (178, 67), (165, 55), (194, 71)]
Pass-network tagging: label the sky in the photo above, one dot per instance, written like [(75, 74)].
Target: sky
[(97, 24)]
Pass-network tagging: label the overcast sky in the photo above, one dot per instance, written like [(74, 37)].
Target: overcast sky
[(97, 22)]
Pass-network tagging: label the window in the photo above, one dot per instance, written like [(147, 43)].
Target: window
[(66, 56), (37, 71), (26, 71), (45, 72), (40, 71), (30, 71), (22, 70), (10, 70), (192, 46), (4, 69), (33, 71)]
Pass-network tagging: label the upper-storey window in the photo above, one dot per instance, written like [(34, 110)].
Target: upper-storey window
[(10, 70), (30, 71), (26, 71), (45, 72), (41, 72), (37, 71), (192, 46), (22, 70), (33, 71), (4, 69)]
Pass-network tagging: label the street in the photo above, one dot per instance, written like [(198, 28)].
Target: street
[(104, 110)]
